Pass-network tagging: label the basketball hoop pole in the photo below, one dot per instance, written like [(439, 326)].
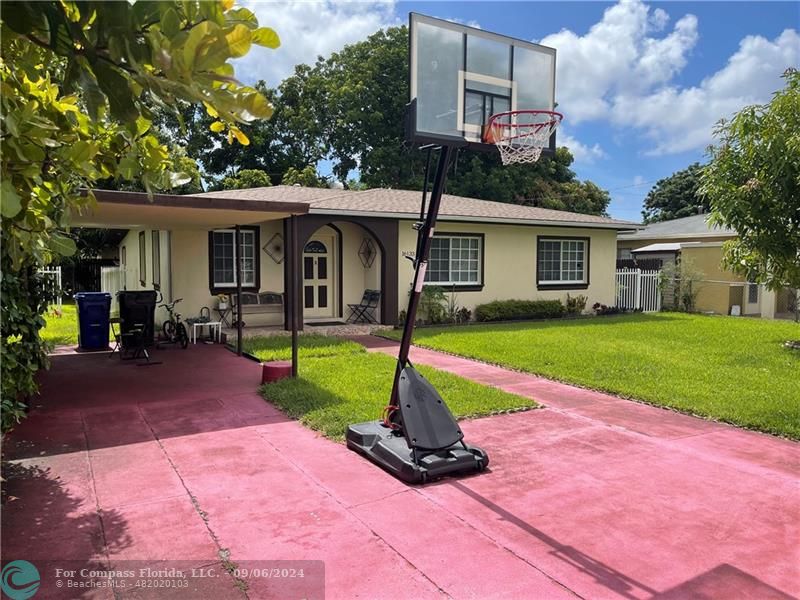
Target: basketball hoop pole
[(424, 238)]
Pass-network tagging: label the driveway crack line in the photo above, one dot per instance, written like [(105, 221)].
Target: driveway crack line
[(97, 508), (223, 553)]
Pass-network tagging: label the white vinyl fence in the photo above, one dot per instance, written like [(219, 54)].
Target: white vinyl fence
[(112, 280), (638, 290), (53, 275)]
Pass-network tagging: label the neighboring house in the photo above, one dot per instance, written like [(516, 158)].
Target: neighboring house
[(694, 239), (357, 240)]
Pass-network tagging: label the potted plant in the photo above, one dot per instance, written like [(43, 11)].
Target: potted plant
[(222, 301)]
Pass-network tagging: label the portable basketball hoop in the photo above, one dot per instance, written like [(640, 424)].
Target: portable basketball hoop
[(458, 76), (521, 135)]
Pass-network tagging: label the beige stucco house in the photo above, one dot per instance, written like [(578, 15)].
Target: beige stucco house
[(694, 239), (352, 241)]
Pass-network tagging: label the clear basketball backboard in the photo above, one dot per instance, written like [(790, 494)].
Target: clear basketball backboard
[(460, 76)]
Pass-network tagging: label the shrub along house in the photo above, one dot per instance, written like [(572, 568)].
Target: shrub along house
[(351, 241)]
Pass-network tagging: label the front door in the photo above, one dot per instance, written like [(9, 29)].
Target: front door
[(318, 278)]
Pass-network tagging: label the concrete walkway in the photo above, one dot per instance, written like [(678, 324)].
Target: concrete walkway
[(591, 497)]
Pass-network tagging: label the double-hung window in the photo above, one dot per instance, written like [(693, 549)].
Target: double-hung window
[(455, 260), (224, 257), (563, 262)]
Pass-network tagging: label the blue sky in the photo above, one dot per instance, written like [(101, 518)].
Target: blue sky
[(641, 84)]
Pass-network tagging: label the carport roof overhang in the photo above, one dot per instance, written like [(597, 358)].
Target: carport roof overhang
[(133, 210)]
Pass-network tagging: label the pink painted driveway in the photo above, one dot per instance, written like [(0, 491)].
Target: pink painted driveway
[(590, 497)]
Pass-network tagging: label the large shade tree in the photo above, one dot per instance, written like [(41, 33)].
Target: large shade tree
[(350, 108), (289, 139), (359, 96), (80, 82), (753, 184), (675, 196)]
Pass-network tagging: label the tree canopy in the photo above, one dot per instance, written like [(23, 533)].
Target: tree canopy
[(80, 84), (349, 108), (246, 178), (675, 196), (753, 184), (306, 177)]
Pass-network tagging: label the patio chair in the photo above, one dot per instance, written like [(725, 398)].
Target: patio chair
[(133, 344), (364, 311), (137, 326)]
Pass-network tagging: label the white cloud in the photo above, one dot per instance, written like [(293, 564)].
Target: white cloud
[(581, 152), (659, 19), (307, 30), (680, 119), (621, 71), (617, 55), (662, 59)]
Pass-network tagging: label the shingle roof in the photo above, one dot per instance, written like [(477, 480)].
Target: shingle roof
[(687, 227), (406, 203)]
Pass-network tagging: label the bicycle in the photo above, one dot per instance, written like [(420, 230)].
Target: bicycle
[(174, 331)]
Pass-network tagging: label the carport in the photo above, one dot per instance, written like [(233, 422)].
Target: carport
[(131, 210)]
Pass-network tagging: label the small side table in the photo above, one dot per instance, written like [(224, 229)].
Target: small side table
[(214, 330)]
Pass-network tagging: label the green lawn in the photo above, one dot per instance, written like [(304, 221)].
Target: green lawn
[(726, 368), (278, 347), (350, 386), (61, 329)]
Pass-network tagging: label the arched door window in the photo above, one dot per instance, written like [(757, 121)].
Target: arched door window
[(315, 247)]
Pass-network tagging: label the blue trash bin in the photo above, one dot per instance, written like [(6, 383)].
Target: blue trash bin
[(94, 309)]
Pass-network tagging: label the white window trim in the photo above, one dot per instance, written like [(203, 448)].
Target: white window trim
[(243, 233), (478, 281), (561, 241), (155, 254), (142, 240)]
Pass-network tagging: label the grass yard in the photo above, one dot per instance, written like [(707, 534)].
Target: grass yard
[(348, 385), (725, 368), (311, 345), (61, 329)]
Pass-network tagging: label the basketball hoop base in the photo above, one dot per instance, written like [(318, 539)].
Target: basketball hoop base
[(392, 453)]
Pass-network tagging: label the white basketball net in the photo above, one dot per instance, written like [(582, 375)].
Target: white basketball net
[(521, 136)]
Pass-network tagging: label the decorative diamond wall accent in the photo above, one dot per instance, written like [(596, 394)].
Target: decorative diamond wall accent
[(367, 253), (274, 248)]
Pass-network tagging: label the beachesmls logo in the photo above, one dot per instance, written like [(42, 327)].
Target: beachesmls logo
[(20, 580)]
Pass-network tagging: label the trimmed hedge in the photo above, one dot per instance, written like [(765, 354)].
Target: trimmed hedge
[(517, 310)]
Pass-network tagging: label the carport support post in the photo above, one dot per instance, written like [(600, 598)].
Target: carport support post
[(294, 273), (237, 244)]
